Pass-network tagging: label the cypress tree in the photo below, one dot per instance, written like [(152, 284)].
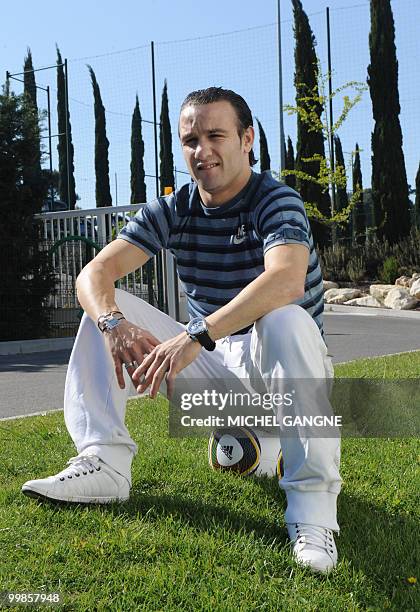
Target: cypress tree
[(342, 200), (359, 214), (309, 141), (290, 163), (389, 178), (138, 186), (25, 274), (29, 83), (103, 192), (417, 201), (166, 158), (62, 145), (265, 162), (32, 171)]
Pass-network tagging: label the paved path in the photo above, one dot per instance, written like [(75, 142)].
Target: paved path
[(35, 382)]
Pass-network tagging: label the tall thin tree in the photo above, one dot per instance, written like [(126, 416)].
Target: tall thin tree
[(66, 182), (389, 178), (29, 82), (342, 200), (167, 178), (265, 162), (359, 214), (103, 192), (32, 172), (417, 200), (309, 141), (290, 163), (138, 186)]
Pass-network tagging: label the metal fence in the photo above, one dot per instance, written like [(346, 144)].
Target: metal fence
[(74, 238)]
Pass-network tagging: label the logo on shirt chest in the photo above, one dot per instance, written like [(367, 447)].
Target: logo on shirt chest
[(240, 235)]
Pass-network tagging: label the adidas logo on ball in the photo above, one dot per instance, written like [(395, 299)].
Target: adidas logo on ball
[(245, 452), (228, 450)]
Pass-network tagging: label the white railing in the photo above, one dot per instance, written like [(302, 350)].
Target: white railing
[(99, 226)]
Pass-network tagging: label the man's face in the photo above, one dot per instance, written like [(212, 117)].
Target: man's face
[(216, 156)]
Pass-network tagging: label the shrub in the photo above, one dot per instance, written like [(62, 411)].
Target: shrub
[(370, 261), (389, 271), (356, 268)]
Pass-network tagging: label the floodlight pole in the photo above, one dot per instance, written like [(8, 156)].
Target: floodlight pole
[(47, 89), (332, 159), (159, 257), (282, 157), (66, 104), (50, 146)]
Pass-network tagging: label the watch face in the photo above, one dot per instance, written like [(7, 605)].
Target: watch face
[(111, 323), (196, 326)]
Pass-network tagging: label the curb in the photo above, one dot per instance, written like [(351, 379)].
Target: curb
[(371, 311), (22, 347), (17, 347)]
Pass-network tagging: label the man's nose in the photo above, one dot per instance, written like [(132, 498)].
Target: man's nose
[(202, 150)]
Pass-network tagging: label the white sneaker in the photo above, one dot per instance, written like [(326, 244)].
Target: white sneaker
[(88, 480), (313, 546)]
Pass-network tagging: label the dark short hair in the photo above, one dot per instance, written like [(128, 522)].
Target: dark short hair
[(217, 94)]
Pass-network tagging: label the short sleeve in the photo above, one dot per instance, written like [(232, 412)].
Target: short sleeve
[(282, 219), (149, 229)]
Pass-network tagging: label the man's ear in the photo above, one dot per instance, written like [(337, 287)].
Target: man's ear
[(248, 138)]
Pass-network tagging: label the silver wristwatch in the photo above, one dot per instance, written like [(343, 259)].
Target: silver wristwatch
[(109, 321)]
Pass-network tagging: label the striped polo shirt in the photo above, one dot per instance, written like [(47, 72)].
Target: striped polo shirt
[(220, 250)]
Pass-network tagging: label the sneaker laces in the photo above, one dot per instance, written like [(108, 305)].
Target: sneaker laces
[(314, 537), (80, 465)]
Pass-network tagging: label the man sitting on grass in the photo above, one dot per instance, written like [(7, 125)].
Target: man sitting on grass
[(246, 258)]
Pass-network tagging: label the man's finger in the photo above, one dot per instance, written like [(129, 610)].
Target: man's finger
[(147, 378), (139, 372), (170, 381), (159, 376), (119, 372)]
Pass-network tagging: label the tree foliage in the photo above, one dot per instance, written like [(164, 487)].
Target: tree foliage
[(265, 161), (25, 274), (359, 213), (307, 110), (66, 182), (389, 178), (167, 178), (310, 142), (138, 186), (103, 192), (290, 179)]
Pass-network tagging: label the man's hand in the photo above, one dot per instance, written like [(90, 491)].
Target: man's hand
[(168, 358), (128, 343)]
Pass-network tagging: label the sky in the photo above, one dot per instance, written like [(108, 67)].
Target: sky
[(232, 43)]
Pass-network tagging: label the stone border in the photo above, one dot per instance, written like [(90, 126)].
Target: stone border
[(18, 347), (370, 310)]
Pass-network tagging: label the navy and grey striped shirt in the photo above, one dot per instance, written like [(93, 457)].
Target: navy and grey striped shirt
[(220, 250)]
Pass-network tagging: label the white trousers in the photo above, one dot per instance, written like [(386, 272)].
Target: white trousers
[(286, 343)]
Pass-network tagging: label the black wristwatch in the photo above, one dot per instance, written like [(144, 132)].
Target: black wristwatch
[(197, 330)]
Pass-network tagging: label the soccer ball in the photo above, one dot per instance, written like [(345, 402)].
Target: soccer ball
[(245, 452)]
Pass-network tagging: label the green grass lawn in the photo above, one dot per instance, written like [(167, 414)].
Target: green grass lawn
[(193, 539)]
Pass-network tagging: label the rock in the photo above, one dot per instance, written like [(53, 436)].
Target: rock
[(330, 285), (403, 281), (414, 277), (415, 289), (339, 296), (380, 291), (365, 300), (399, 299)]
